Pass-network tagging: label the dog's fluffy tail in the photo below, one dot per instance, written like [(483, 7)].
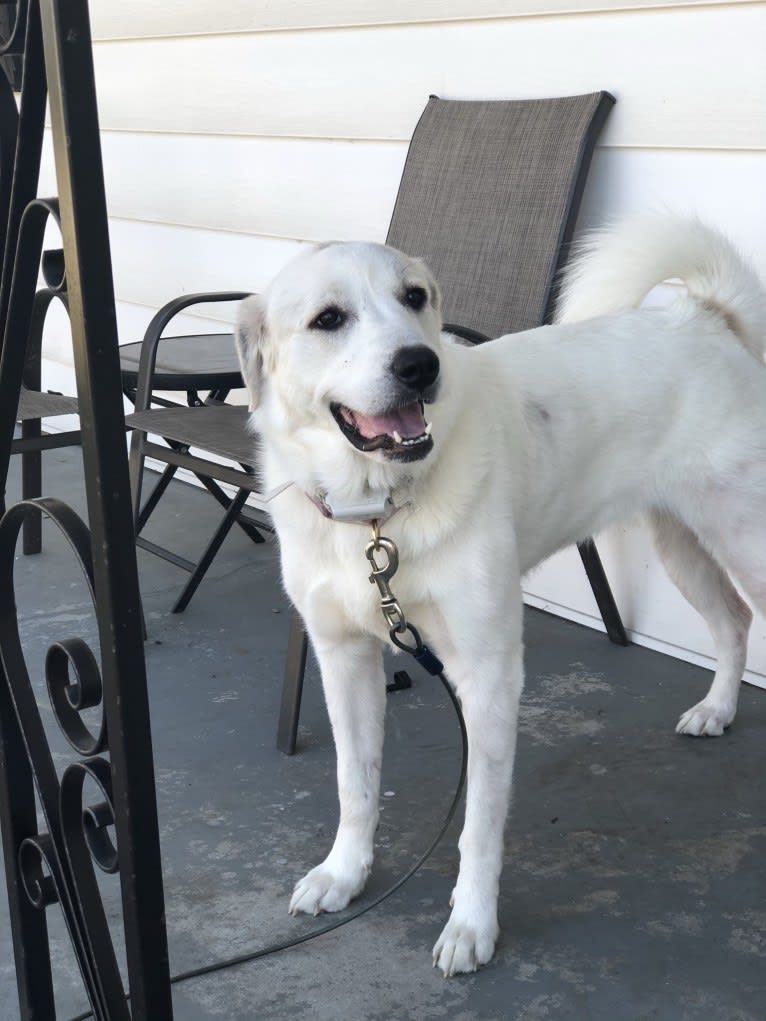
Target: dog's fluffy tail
[(615, 269)]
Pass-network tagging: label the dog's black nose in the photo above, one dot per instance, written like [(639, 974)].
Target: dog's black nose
[(417, 367)]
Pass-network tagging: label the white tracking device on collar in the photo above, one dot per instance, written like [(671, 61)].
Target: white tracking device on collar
[(376, 508)]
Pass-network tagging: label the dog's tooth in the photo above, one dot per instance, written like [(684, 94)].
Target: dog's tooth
[(429, 427), (397, 438)]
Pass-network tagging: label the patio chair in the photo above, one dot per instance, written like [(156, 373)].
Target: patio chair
[(198, 363), (489, 198)]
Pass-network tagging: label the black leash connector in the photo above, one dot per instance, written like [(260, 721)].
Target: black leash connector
[(419, 651)]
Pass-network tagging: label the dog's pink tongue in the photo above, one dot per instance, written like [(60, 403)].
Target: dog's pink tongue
[(408, 421)]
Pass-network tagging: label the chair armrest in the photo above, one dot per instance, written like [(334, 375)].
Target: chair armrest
[(465, 333), (154, 332)]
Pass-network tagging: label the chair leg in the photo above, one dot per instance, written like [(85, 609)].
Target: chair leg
[(215, 491), (603, 593), (32, 486), (154, 497), (214, 545), (292, 686)]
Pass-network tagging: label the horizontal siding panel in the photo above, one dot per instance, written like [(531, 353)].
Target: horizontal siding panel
[(622, 182), (289, 188), (153, 263), (321, 190), (374, 84), (184, 260), (132, 321), (212, 235), (653, 610), (147, 18)]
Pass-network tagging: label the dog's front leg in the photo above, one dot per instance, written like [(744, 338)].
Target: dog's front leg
[(355, 691), (489, 688)]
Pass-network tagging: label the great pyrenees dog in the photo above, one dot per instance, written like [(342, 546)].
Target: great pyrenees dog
[(488, 459)]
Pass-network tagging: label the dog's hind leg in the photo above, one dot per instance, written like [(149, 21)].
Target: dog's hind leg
[(707, 587), (734, 525), (355, 692)]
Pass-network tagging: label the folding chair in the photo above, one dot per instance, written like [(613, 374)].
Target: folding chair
[(193, 363), (489, 199)]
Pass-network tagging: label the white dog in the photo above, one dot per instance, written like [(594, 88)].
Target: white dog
[(494, 457)]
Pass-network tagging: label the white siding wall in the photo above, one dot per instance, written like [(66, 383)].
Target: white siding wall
[(234, 131)]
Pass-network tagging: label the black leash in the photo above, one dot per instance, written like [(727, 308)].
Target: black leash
[(399, 627), (424, 656)]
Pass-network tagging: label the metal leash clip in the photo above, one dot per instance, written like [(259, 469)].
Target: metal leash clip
[(382, 572)]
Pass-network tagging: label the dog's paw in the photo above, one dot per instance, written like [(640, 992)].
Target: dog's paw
[(327, 888), (465, 944), (706, 719)]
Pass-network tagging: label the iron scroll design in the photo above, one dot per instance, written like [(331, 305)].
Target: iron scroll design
[(114, 757), (57, 866)]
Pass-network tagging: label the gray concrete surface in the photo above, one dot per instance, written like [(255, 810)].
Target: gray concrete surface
[(634, 882)]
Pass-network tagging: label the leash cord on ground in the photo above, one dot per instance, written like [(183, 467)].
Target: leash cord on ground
[(275, 948)]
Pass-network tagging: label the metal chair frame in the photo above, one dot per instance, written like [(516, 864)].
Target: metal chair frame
[(140, 387)]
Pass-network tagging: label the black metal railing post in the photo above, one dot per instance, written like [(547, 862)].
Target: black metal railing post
[(57, 865)]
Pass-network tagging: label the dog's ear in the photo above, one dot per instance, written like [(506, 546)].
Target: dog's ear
[(250, 336)]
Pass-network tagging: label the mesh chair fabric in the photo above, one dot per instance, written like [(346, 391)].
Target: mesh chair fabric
[(485, 199), (221, 429), (33, 404)]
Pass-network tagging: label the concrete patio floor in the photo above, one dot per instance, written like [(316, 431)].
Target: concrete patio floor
[(634, 887)]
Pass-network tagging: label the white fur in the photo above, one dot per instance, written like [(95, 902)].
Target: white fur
[(540, 440)]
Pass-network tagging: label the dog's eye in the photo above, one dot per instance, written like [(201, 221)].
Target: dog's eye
[(331, 318), (415, 297)]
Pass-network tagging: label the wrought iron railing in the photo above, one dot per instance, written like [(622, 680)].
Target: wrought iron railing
[(55, 864)]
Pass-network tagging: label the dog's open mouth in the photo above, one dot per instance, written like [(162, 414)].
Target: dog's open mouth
[(401, 433)]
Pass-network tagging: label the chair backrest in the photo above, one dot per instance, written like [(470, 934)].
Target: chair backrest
[(489, 197)]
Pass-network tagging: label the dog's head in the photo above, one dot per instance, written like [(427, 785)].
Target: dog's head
[(341, 354)]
